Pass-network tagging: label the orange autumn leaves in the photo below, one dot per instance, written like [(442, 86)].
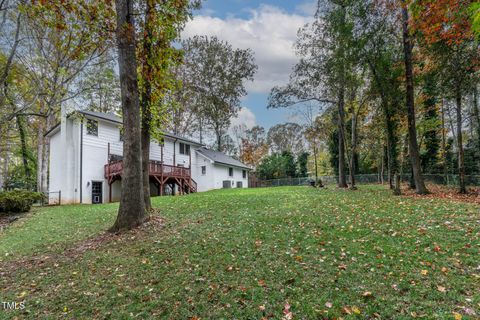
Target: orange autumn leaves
[(442, 20)]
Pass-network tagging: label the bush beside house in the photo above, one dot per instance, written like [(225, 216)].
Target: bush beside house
[(17, 201)]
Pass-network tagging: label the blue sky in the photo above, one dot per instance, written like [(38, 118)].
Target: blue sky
[(269, 28)]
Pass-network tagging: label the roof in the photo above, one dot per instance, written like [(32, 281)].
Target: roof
[(117, 119), (221, 158)]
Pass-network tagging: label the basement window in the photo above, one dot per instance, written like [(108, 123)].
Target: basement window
[(92, 127)]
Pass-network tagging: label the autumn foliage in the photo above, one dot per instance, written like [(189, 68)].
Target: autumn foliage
[(446, 21)]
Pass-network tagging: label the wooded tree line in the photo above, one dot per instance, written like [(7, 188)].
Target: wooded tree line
[(396, 84)]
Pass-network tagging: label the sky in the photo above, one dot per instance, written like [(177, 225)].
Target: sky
[(269, 28)]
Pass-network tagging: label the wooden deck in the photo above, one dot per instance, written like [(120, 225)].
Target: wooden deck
[(161, 174)]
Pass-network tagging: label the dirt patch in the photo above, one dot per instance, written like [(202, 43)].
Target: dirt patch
[(445, 192), (154, 223), (6, 220)]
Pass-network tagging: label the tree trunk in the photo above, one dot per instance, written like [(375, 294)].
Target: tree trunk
[(23, 145), (444, 145), (131, 212), (382, 166), (354, 151), (218, 133), (40, 151), (315, 155), (146, 101), (342, 179), (461, 154), (476, 116), (412, 131)]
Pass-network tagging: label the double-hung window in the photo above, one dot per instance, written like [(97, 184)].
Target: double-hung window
[(184, 149)]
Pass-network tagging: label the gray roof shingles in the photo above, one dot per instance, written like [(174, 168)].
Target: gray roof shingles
[(221, 158)]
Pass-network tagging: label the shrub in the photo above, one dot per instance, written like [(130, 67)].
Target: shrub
[(18, 201)]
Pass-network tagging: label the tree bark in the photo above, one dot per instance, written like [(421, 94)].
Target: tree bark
[(23, 145), (146, 101), (412, 131), (461, 154), (354, 150), (40, 150), (218, 133), (315, 155), (131, 212), (444, 145), (476, 116), (342, 178)]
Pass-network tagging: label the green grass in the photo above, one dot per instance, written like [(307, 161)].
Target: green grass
[(243, 254)]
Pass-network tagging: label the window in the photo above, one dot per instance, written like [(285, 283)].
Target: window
[(204, 170), (184, 149), (92, 127), (230, 172), (244, 174)]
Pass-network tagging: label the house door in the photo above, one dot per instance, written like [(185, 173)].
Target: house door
[(97, 192)]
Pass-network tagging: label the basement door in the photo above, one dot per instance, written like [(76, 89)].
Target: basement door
[(97, 192)]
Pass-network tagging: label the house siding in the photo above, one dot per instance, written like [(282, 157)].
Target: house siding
[(66, 159)]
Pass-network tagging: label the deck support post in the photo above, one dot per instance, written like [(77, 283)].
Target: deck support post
[(109, 192)]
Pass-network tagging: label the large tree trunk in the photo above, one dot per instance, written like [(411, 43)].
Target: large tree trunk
[(412, 130), (146, 99), (131, 212), (342, 177), (461, 154)]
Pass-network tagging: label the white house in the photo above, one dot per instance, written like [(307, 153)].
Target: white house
[(86, 162)]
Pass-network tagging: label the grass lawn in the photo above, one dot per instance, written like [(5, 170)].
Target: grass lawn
[(248, 254)]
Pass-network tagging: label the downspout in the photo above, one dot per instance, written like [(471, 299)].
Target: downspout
[(174, 152), (81, 161)]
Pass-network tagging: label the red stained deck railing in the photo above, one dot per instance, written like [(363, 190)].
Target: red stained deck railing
[(156, 168)]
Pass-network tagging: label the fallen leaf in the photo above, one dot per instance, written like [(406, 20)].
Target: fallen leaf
[(328, 304), (347, 310), (441, 289), (424, 272), (356, 310), (457, 316), (287, 314), (367, 294)]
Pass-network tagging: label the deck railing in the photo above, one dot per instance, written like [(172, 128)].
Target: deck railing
[(115, 168)]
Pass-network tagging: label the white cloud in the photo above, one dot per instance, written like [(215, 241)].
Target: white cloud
[(269, 31), (245, 117), (308, 8)]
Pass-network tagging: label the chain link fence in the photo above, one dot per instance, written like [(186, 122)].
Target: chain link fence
[(449, 180)]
